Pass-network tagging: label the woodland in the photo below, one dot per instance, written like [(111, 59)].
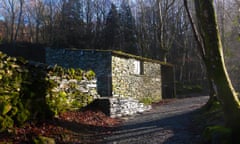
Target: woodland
[(157, 29), (201, 38)]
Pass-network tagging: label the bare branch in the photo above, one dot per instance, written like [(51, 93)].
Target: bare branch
[(195, 31)]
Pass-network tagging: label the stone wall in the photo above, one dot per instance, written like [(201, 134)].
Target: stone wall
[(129, 82), (119, 106), (98, 61), (68, 88)]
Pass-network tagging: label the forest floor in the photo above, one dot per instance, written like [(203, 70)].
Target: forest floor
[(169, 122)]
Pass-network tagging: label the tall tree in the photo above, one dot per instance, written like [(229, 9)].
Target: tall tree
[(71, 28), (209, 41), (128, 29), (112, 29), (21, 3), (164, 26), (13, 10), (142, 31), (37, 10), (100, 12), (89, 23)]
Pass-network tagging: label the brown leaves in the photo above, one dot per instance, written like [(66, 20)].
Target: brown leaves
[(57, 130), (88, 117)]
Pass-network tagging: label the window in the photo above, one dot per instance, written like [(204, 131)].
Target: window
[(138, 67)]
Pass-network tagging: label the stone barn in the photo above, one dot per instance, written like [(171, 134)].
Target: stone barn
[(123, 80), (119, 74)]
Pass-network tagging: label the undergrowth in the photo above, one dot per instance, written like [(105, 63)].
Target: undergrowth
[(210, 122), (27, 91)]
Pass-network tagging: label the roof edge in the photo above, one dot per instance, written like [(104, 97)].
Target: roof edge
[(123, 54)]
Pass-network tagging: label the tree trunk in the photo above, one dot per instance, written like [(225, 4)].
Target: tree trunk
[(212, 94), (212, 52), (201, 48), (215, 61)]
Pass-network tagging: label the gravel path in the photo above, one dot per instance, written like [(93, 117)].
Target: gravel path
[(164, 124)]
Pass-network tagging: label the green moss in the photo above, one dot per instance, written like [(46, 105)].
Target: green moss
[(146, 101), (127, 55)]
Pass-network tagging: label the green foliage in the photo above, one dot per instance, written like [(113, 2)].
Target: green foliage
[(6, 123), (57, 102), (34, 89), (90, 74), (146, 100), (70, 73), (5, 108), (64, 100), (60, 100), (12, 110), (27, 92), (78, 75), (59, 71), (21, 60), (22, 116)]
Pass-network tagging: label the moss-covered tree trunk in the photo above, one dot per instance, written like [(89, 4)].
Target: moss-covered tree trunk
[(209, 37)]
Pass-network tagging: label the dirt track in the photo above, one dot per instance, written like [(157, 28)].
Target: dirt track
[(164, 124)]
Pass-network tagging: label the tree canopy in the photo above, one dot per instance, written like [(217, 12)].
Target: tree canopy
[(157, 29)]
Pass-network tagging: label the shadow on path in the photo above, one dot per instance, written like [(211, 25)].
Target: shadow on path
[(169, 130), (165, 124)]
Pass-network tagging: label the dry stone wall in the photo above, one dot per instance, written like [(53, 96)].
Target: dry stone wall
[(121, 106), (98, 61), (126, 83), (70, 86), (126, 106)]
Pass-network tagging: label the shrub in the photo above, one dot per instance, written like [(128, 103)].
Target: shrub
[(68, 97), (27, 91), (12, 109), (90, 74)]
